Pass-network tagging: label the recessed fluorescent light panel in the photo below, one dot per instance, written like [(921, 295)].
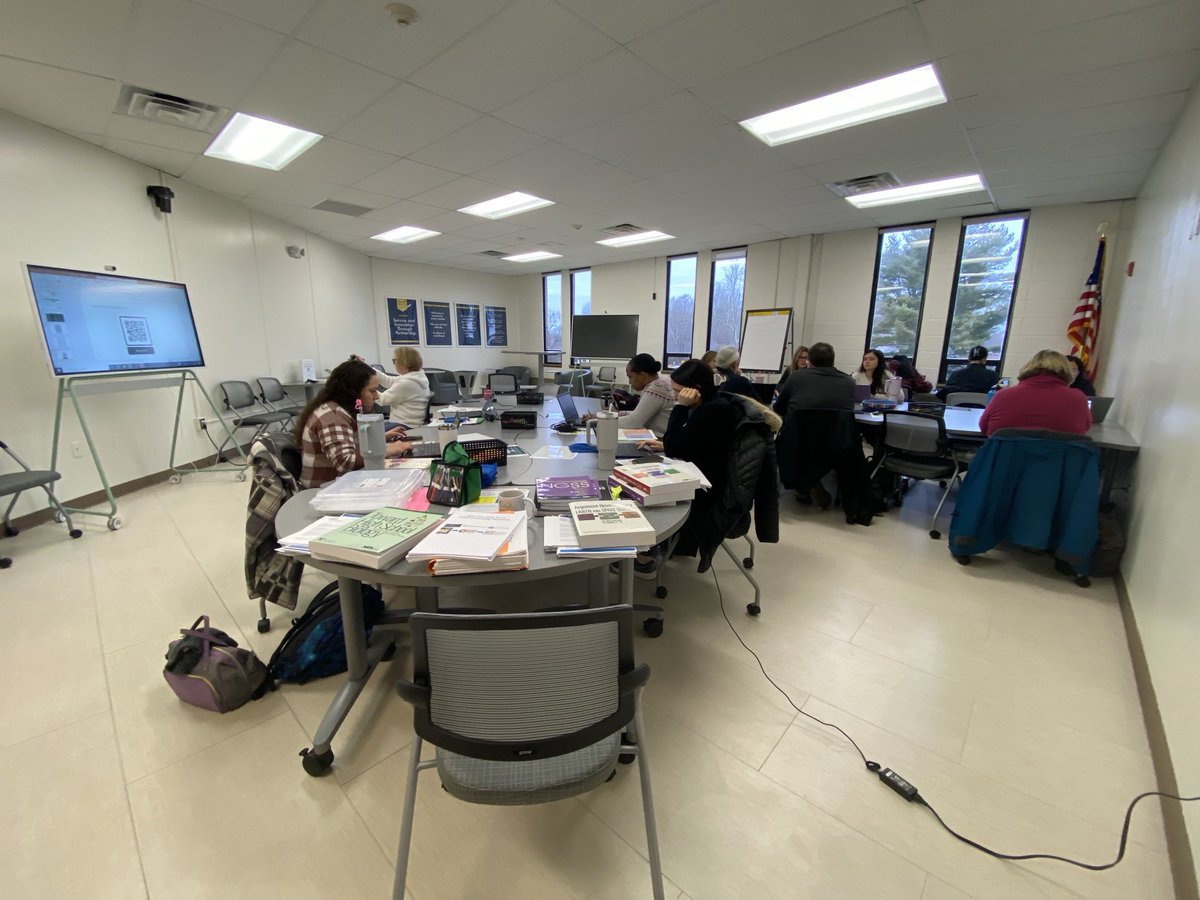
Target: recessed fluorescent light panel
[(260, 142), (910, 192), (644, 237), (890, 96), (533, 256), (405, 234), (508, 205)]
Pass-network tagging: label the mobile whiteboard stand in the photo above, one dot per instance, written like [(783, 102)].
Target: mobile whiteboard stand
[(77, 386)]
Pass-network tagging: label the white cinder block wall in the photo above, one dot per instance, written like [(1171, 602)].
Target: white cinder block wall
[(1153, 319)]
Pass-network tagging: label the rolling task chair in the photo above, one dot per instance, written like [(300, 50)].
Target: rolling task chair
[(502, 383), (915, 446), (525, 708), (240, 396), (15, 483), (969, 399)]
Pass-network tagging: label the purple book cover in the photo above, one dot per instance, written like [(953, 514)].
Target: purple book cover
[(566, 487)]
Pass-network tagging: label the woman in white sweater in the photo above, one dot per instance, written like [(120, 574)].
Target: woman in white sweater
[(657, 397), (406, 394)]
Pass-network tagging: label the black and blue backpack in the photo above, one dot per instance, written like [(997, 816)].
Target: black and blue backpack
[(315, 645)]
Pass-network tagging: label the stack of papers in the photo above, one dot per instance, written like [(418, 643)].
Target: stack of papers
[(297, 543), (471, 540), (367, 490), (559, 537), (658, 483), (611, 523), (376, 540)]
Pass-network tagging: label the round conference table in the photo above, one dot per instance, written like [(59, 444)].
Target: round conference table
[(362, 655)]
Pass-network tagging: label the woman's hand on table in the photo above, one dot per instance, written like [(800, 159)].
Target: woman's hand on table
[(652, 446), (397, 448)]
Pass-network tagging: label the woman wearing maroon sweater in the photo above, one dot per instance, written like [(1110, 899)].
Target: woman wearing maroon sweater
[(1042, 399)]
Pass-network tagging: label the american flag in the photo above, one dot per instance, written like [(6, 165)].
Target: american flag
[(1084, 330)]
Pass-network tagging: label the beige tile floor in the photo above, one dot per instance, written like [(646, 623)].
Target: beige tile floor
[(1004, 692)]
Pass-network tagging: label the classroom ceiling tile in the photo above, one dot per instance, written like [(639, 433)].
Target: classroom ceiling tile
[(278, 15), (1108, 84), (403, 213), (887, 44), (319, 220), (280, 211), (728, 35), (1159, 30), (454, 195), (624, 20), (673, 118), (526, 170), (405, 120), (226, 177), (405, 178), (954, 26), (890, 157), (87, 37), (69, 101), (159, 134), (1125, 140), (336, 161), (482, 143), (669, 154), (616, 83), (363, 30), (283, 187), (570, 187), (355, 227), (192, 51), (483, 71), (314, 90), (1097, 165), (922, 125)]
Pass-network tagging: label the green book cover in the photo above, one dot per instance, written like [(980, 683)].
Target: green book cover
[(380, 531)]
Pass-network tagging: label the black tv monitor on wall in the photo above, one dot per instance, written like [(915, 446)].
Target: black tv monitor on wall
[(604, 337), (94, 322)]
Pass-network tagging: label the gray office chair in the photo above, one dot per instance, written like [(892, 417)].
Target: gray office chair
[(605, 380), (248, 413), (275, 398), (522, 374), (466, 380), (16, 483), (525, 708), (378, 367), (915, 446), (445, 393), (969, 399)]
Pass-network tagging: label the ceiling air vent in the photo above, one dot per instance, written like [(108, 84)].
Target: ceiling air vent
[(166, 109), (346, 209), (495, 254), (864, 184), (621, 230)]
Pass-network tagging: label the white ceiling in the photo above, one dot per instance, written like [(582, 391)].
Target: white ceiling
[(620, 111)]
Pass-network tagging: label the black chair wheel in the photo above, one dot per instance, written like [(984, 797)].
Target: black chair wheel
[(942, 484), (753, 609), (75, 533), (626, 759), (934, 533), (1083, 581), (748, 562), (316, 764), (5, 562), (264, 625), (661, 592), (962, 560), (653, 627), (9, 531)]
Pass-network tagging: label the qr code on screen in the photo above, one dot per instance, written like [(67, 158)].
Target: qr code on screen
[(137, 331)]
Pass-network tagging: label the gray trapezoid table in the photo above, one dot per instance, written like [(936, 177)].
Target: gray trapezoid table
[(362, 655)]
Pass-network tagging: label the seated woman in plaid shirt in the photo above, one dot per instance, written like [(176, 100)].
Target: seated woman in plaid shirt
[(327, 431)]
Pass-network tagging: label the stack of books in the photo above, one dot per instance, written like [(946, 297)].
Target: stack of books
[(655, 484), (474, 540), (554, 494), (296, 544), (610, 525), (377, 540)]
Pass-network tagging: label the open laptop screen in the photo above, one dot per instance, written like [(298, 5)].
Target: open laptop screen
[(567, 405)]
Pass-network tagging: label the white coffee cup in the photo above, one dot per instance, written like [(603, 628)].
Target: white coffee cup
[(511, 500)]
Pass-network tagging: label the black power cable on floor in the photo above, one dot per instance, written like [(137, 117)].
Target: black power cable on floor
[(910, 793)]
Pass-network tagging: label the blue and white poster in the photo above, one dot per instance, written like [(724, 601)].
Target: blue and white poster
[(467, 315), (439, 330), (497, 325), (402, 321)]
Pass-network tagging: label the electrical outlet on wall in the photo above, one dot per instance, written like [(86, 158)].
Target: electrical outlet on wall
[(77, 449), (201, 424)]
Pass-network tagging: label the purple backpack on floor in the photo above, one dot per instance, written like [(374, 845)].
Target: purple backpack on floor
[(206, 668)]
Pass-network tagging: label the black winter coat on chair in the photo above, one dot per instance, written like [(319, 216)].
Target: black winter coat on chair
[(816, 441)]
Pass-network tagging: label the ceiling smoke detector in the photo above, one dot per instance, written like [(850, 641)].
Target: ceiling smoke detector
[(403, 14)]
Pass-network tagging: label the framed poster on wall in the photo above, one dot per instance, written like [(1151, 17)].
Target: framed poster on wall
[(402, 321), (496, 318), (439, 329), (467, 316)]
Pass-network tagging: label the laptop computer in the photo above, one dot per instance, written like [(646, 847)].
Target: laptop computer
[(1100, 407), (862, 392), (571, 420)]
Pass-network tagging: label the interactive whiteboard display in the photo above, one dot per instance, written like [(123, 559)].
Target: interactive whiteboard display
[(94, 322)]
